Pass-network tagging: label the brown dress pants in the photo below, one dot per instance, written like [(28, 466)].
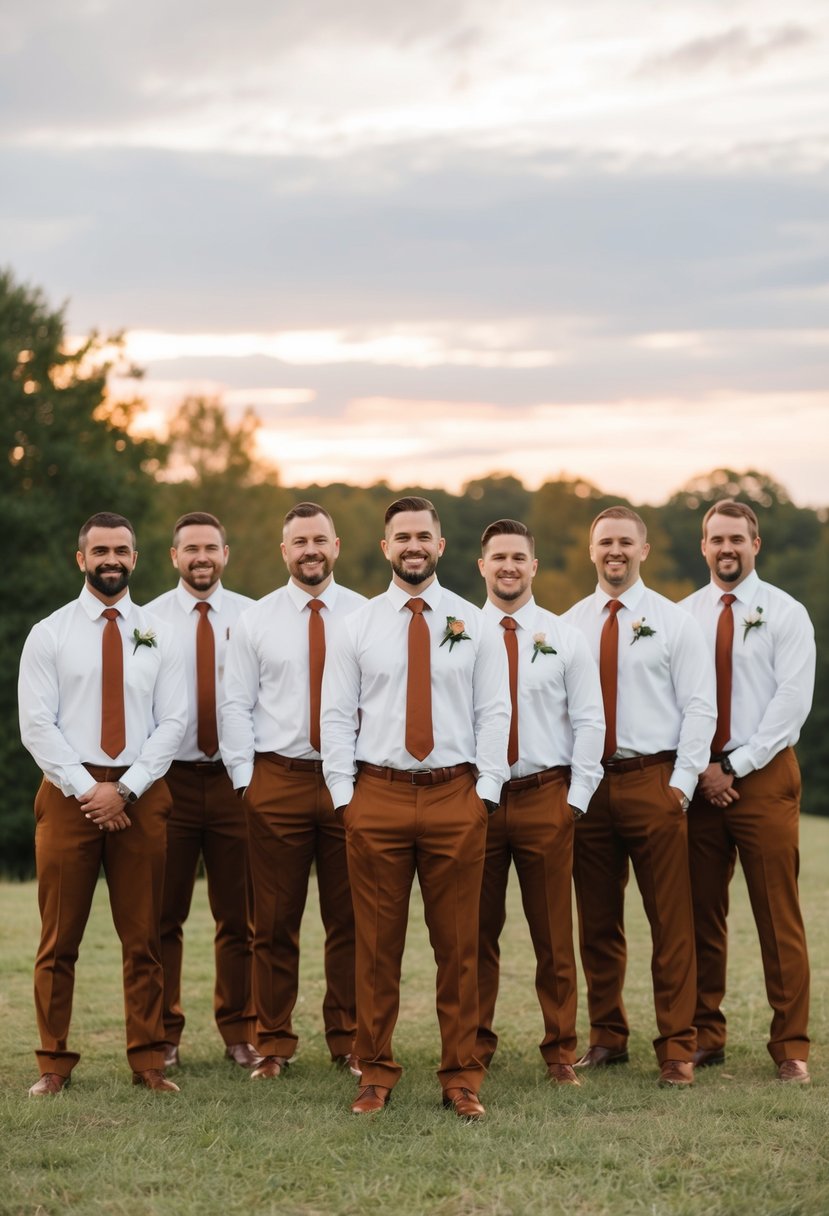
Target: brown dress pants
[(763, 827), (69, 852), (635, 816), (534, 828), (438, 832), (291, 824), (208, 820)]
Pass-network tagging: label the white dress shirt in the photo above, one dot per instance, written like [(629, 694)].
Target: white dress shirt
[(60, 695), (366, 676), (773, 667), (179, 609), (666, 690), (560, 711), (265, 705)]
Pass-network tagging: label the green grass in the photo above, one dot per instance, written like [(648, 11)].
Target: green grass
[(738, 1143)]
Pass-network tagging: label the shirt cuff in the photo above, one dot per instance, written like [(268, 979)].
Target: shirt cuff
[(341, 792), (741, 761), (77, 781), (137, 779), (240, 776), (579, 796), (681, 779), (488, 788)]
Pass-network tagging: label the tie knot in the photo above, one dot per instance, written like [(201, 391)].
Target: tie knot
[(315, 605), (416, 605), (613, 606), (728, 599), (202, 607), (111, 614), (509, 622)]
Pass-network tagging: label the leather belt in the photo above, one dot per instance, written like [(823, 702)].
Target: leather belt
[(292, 762), (199, 766), (106, 772), (415, 776), (633, 763), (534, 780)]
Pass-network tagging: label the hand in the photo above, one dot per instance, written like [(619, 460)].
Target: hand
[(577, 812), (491, 807), (717, 787), (104, 807)]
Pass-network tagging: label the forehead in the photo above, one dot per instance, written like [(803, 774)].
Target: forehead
[(309, 525), (412, 523), (507, 542), (109, 538), (199, 534), (609, 527), (727, 525)]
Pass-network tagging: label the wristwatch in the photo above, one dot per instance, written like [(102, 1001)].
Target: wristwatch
[(684, 802), (125, 792), (727, 766), (577, 812)]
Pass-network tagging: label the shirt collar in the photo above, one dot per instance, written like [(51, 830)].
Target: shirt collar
[(400, 596), (524, 616), (299, 597), (630, 599), (745, 592), (93, 607), (188, 602)]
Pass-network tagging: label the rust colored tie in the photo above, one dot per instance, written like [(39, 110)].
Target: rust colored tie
[(511, 643), (113, 724), (722, 663), (316, 664), (419, 737), (207, 734), (609, 675)]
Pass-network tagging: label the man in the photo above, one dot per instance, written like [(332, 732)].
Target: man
[(748, 799), (271, 743), (102, 710), (416, 694), (555, 749), (207, 818), (658, 692)]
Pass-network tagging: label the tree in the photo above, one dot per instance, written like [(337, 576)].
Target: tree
[(68, 455)]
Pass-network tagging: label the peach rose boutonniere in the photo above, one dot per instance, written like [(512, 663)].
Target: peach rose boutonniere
[(455, 632), (641, 630), (753, 621), (540, 646)]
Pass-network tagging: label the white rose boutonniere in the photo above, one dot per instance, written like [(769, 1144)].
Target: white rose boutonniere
[(753, 621), (147, 638)]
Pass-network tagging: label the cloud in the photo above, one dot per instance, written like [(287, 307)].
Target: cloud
[(733, 50)]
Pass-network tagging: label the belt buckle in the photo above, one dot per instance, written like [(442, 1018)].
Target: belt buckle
[(416, 772)]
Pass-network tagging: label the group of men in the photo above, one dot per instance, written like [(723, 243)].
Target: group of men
[(416, 734)]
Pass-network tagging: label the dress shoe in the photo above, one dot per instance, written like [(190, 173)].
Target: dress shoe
[(791, 1071), (600, 1057), (271, 1066), (675, 1073), (349, 1061), (370, 1099), (464, 1102), (153, 1078), (49, 1083), (171, 1058), (707, 1057), (243, 1054), (562, 1074)]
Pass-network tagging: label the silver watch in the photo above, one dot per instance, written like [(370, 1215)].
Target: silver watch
[(125, 792)]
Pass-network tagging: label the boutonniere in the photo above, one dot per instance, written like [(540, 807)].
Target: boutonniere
[(540, 646), (455, 632), (143, 639), (753, 621), (641, 630)]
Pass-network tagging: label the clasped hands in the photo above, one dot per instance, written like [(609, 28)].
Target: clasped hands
[(104, 806)]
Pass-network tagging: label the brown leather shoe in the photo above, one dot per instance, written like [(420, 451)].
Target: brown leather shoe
[(707, 1057), (370, 1099), (243, 1054), (349, 1061), (562, 1074), (49, 1083), (271, 1066), (600, 1057), (153, 1078), (171, 1059), (464, 1102), (675, 1073), (787, 1070)]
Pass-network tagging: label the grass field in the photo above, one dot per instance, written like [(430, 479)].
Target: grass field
[(738, 1143)]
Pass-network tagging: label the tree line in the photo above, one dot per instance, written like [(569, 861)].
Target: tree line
[(70, 453)]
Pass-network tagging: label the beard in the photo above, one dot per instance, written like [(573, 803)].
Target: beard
[(731, 576), (201, 578), (513, 593), (310, 578), (415, 577), (109, 585)]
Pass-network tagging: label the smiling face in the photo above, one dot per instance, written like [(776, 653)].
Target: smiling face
[(107, 559), (617, 550), (310, 550), (413, 546), (200, 558), (508, 568), (729, 549)]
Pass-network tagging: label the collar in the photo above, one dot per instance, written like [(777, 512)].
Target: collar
[(745, 592), (400, 597), (187, 602), (93, 607), (300, 598), (523, 616), (630, 599)]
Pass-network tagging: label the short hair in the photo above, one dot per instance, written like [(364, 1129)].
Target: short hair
[(105, 519), (412, 503), (507, 527), (737, 510), (620, 512), (307, 510), (198, 518)]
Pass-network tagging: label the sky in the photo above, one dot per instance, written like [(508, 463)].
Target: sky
[(431, 242)]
